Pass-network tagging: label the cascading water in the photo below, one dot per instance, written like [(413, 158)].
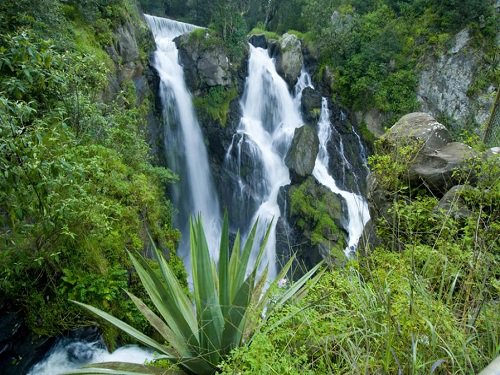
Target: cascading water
[(186, 151), (67, 355), (269, 118), (357, 207)]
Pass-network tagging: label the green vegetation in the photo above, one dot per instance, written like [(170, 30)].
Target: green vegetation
[(423, 301), (79, 194), (318, 212), (77, 187), (230, 303), (214, 105)]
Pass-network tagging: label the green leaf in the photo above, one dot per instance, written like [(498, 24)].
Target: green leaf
[(139, 336)]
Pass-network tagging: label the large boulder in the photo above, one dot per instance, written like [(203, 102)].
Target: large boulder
[(434, 160), (420, 127), (205, 64), (302, 154), (289, 62), (437, 168)]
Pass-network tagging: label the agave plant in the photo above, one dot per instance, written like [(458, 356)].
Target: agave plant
[(229, 301)]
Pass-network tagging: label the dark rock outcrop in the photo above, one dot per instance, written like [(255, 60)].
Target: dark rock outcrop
[(258, 40), (20, 348), (311, 226), (302, 154), (205, 64), (347, 162), (311, 105)]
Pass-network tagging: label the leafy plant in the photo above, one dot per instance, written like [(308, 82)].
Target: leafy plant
[(228, 301)]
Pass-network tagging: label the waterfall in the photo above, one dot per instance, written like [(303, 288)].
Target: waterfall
[(186, 152), (357, 207), (71, 354), (269, 118)]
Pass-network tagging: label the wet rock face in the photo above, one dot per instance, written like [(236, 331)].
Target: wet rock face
[(20, 348), (312, 226), (290, 60), (258, 41), (311, 105), (301, 156)]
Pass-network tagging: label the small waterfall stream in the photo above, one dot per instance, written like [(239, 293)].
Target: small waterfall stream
[(186, 152), (266, 128), (357, 206)]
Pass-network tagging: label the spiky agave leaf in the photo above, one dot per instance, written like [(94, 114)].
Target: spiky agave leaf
[(227, 299)]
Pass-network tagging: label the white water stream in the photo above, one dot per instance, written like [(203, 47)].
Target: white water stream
[(187, 154), (69, 355), (357, 207), (269, 119)]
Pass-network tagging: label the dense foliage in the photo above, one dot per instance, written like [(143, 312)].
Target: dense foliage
[(77, 187), (424, 301), (372, 48)]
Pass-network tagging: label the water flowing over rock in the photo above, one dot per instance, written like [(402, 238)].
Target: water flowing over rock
[(186, 153), (357, 207), (81, 348), (269, 118), (258, 40)]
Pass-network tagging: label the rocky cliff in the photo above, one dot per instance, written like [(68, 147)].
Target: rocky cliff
[(449, 86)]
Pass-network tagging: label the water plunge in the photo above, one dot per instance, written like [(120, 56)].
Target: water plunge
[(71, 354)]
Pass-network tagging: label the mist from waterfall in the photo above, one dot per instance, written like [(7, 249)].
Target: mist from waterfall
[(186, 152)]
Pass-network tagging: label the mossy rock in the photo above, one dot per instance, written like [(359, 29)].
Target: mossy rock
[(320, 215)]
